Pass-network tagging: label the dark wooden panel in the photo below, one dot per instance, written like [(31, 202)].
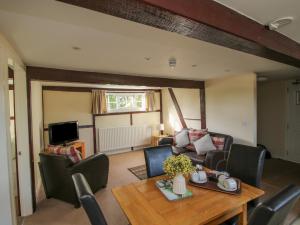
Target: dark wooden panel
[(10, 73), (11, 87), (177, 107), (80, 127), (89, 89), (203, 108), (205, 20), (48, 74)]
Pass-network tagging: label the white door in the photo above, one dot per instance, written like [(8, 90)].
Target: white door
[(22, 138), (293, 122)]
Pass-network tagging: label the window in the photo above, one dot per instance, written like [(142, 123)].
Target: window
[(125, 102)]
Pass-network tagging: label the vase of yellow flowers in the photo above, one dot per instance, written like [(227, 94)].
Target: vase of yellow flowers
[(176, 167)]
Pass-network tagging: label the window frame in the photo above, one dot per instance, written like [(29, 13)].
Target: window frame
[(132, 108)]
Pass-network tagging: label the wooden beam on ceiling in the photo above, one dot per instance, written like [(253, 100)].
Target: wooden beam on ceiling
[(59, 75), (205, 20)]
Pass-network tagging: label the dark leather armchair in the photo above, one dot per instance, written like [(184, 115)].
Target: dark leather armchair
[(87, 200), (154, 157), (275, 210), (246, 163), (56, 172)]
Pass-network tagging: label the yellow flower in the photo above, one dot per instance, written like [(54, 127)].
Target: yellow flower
[(174, 165)]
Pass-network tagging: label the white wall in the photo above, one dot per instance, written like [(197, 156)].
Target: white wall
[(37, 135), (7, 203), (231, 107), (271, 111), (189, 103), (7, 207)]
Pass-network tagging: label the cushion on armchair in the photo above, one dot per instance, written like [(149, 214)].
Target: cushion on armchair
[(194, 134), (182, 138), (204, 145), (70, 151)]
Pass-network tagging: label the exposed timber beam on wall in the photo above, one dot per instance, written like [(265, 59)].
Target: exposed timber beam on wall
[(177, 107), (202, 109), (205, 20), (49, 74)]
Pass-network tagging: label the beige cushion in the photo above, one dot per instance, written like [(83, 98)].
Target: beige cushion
[(182, 138), (204, 145)]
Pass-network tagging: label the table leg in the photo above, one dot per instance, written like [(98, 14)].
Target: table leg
[(243, 216)]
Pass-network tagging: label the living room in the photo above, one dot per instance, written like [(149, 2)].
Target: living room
[(126, 85)]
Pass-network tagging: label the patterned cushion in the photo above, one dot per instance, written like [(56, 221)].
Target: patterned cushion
[(218, 142), (70, 151), (194, 134)]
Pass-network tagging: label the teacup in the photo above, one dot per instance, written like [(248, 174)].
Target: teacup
[(222, 178), (202, 176), (195, 176), (230, 183)]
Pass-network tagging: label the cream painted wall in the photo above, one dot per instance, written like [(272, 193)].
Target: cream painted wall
[(189, 103), (147, 119), (271, 111), (67, 106), (63, 106), (231, 107)]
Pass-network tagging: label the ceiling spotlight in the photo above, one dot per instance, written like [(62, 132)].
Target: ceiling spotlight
[(194, 65), (76, 48), (147, 58), (278, 23), (172, 63)]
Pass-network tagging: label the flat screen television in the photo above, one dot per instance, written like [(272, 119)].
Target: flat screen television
[(62, 133)]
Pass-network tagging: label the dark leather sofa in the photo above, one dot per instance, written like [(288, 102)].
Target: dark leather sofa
[(57, 170), (211, 159)]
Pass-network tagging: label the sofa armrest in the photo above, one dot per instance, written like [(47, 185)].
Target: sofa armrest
[(95, 169), (166, 141), (213, 157), (221, 165)]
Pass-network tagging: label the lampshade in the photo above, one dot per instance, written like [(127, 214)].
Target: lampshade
[(161, 127)]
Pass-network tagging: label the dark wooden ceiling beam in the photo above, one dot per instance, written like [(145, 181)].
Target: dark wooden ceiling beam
[(59, 75), (205, 20)]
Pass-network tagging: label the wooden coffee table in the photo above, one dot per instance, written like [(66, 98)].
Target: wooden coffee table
[(144, 204)]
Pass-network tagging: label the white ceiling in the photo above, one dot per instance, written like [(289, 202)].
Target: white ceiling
[(44, 32), (265, 11)]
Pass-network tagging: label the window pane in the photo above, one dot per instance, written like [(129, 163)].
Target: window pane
[(122, 101), (112, 98), (139, 104), (138, 97), (112, 106)]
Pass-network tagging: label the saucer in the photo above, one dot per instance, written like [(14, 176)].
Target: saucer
[(199, 182), (224, 188)]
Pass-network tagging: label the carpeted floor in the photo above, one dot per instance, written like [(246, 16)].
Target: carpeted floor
[(277, 174)]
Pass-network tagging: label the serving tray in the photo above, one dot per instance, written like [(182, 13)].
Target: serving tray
[(211, 184)]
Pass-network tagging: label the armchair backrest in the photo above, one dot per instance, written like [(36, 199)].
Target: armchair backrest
[(154, 157), (246, 163), (228, 139), (87, 200), (275, 210)]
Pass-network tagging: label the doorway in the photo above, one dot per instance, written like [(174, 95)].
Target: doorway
[(293, 122)]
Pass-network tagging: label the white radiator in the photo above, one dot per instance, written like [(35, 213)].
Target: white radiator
[(114, 139)]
